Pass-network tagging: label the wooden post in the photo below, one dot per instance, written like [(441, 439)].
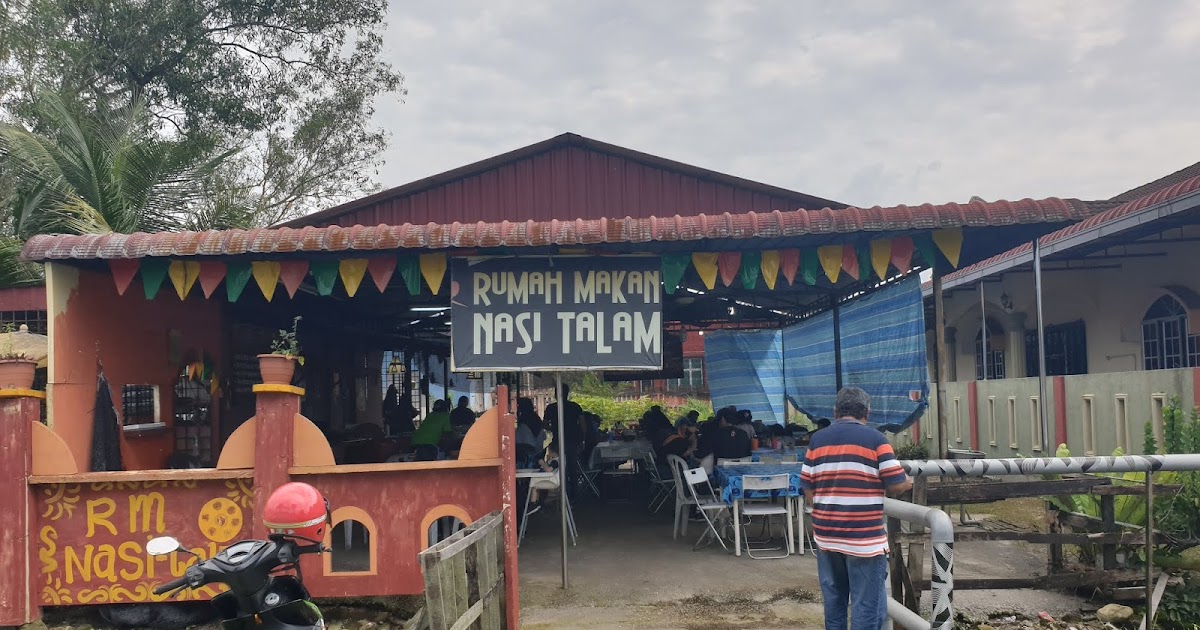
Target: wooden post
[(1054, 558), (276, 407), (916, 551), (19, 409), (943, 364), (508, 484), (1108, 514), (895, 559)]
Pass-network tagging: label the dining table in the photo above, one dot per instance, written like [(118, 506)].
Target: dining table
[(730, 477)]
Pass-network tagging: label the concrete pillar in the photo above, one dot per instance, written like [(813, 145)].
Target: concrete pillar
[(276, 407), (19, 409), (952, 350), (1014, 352)]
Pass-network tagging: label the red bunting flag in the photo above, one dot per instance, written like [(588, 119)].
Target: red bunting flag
[(292, 273), (123, 271), (850, 260), (902, 253), (729, 263), (211, 275), (789, 264), (381, 269)]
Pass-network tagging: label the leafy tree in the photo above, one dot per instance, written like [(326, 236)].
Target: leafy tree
[(291, 81)]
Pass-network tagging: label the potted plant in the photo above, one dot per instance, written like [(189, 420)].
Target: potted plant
[(16, 369), (278, 367)]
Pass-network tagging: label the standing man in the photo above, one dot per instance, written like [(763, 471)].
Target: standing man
[(847, 471), (571, 444)]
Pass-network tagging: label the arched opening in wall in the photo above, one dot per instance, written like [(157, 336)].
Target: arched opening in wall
[(443, 528), (992, 365), (1166, 342), (353, 543)]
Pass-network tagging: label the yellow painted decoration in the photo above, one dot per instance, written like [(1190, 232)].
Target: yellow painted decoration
[(706, 265), (352, 271), (266, 275), (950, 242), (881, 255), (831, 261), (770, 267), (273, 388), (433, 269), (183, 276)]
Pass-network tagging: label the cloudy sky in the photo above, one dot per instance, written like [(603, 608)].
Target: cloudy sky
[(867, 102)]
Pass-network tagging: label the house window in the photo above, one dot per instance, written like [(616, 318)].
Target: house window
[(693, 376), (1066, 350), (994, 363), (1165, 341), (36, 320), (139, 405)]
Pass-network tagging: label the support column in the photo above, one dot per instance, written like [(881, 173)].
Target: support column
[(19, 409), (508, 484), (1014, 360), (943, 363), (276, 407)]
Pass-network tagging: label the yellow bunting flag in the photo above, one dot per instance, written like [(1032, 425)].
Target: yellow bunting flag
[(831, 261), (352, 271), (881, 255), (183, 276), (950, 242), (266, 275), (770, 267), (706, 265), (433, 269)]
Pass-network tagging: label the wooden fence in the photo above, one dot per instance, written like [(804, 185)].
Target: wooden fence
[(464, 578)]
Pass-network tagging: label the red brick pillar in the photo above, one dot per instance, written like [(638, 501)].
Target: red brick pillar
[(19, 409), (276, 407)]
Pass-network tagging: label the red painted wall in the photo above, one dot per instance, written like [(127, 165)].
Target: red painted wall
[(23, 299), (129, 335)]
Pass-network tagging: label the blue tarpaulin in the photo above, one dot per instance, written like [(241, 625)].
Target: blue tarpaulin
[(883, 352)]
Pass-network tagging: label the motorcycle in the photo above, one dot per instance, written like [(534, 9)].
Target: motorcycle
[(266, 588)]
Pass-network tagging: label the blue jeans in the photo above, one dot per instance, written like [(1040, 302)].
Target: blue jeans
[(859, 582)]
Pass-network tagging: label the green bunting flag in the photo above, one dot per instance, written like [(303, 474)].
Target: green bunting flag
[(864, 261), (810, 264), (154, 271), (751, 265), (673, 268), (237, 274), (410, 272), (927, 249), (324, 273)]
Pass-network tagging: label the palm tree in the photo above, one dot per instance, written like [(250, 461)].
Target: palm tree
[(76, 173)]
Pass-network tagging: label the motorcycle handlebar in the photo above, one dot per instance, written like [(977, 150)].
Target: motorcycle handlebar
[(171, 586)]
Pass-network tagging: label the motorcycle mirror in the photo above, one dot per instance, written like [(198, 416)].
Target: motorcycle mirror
[(162, 546)]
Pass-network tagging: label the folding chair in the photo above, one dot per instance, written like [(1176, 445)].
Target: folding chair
[(749, 459), (693, 478), (548, 484), (682, 497), (751, 483), (588, 474), (660, 487)]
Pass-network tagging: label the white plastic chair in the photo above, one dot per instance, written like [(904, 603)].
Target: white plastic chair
[(766, 510), (682, 497), (693, 478), (549, 484), (749, 459)]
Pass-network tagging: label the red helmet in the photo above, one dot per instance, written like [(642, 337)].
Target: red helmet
[(299, 510)]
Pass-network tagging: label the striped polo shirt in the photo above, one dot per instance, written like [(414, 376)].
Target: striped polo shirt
[(846, 468)]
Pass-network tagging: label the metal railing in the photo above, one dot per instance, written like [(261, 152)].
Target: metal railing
[(941, 583)]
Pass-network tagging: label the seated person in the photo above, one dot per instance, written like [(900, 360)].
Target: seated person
[(655, 421), (462, 416), (428, 437), (730, 442), (744, 421), (682, 443), (547, 464)]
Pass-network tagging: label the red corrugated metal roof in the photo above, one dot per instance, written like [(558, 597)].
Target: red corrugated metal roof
[(567, 175), (1113, 214), (772, 225)]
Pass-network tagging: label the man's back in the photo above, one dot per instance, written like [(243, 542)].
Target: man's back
[(847, 467)]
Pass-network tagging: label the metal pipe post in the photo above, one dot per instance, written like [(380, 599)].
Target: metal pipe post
[(943, 364), (1049, 465), (561, 406), (837, 343), (983, 335), (1041, 344), (1149, 550), (941, 535)]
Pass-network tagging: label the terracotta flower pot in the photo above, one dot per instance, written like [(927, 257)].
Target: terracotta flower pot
[(276, 369), (16, 373)]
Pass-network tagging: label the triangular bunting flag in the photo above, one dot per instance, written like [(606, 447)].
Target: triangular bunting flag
[(864, 261), (770, 267), (950, 242), (433, 269), (352, 271), (266, 276), (810, 263), (831, 261), (291, 274), (729, 263), (789, 264), (237, 275), (751, 266), (183, 276), (410, 272), (902, 252), (154, 271), (706, 265), (849, 260), (123, 270), (673, 268), (211, 275), (325, 273), (381, 269), (927, 250), (881, 254)]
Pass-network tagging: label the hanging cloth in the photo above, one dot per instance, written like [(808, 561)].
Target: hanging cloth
[(106, 430)]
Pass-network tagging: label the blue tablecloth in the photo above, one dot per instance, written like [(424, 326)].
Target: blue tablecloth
[(777, 455), (729, 476)]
